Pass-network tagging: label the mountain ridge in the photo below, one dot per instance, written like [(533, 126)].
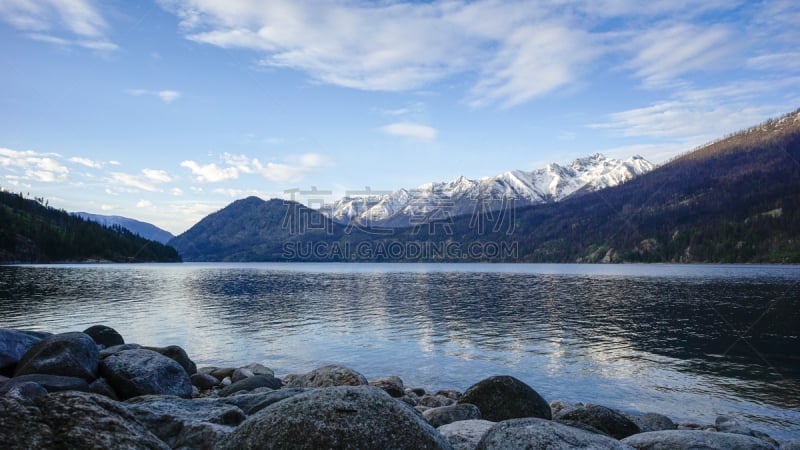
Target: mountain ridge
[(735, 200), (431, 201), (143, 229)]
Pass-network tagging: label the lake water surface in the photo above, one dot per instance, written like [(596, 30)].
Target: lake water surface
[(688, 341)]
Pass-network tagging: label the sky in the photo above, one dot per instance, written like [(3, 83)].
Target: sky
[(167, 110)]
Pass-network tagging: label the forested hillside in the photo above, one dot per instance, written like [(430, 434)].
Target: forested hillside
[(30, 231)]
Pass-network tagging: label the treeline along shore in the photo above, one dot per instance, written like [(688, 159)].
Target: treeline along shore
[(91, 389)]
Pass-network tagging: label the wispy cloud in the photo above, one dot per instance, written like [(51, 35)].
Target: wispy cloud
[(59, 22), (663, 54), (411, 130), (697, 116), (166, 96)]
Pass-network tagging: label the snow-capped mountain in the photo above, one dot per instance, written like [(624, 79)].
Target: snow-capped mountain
[(439, 201)]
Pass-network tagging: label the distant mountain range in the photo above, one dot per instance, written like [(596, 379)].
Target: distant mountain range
[(143, 229), (734, 200), (437, 201)]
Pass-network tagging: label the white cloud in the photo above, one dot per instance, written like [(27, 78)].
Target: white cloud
[(105, 207), (211, 172), (144, 203), (292, 168), (157, 176), (411, 130), (393, 46), (166, 96), (60, 22), (133, 181), (33, 165), (177, 192), (86, 162)]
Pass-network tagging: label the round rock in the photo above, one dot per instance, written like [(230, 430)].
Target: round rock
[(533, 433), (346, 417), (327, 376), (104, 335), (66, 354), (449, 414), (694, 439), (604, 419), (13, 345), (177, 354), (142, 372), (505, 397)]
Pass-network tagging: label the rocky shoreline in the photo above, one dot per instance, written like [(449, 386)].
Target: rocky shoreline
[(90, 389)]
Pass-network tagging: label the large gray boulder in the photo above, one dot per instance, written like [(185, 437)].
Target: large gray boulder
[(183, 423), (604, 419), (13, 345), (72, 420), (346, 417), (449, 414), (104, 335), (66, 354), (534, 433), (505, 397), (143, 372), (465, 434), (327, 376), (694, 439)]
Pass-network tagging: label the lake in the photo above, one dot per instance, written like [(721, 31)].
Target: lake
[(688, 341)]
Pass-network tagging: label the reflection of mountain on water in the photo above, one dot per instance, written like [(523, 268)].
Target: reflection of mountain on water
[(745, 331), (650, 340)]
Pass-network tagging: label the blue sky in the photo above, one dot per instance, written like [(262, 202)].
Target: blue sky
[(168, 110)]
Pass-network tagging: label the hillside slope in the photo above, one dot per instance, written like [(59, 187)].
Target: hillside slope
[(32, 232)]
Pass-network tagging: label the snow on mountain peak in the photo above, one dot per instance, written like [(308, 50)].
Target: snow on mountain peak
[(461, 195)]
